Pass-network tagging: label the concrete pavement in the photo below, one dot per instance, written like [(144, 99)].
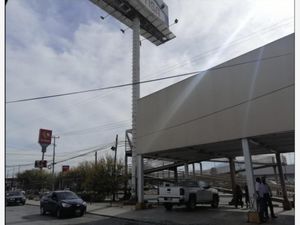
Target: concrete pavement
[(225, 214)]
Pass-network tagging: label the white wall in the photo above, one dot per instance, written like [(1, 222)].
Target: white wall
[(247, 97)]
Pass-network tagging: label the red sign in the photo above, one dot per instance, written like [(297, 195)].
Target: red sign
[(65, 168), (45, 137)]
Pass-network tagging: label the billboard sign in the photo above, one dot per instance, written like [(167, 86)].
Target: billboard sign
[(157, 8), (153, 15)]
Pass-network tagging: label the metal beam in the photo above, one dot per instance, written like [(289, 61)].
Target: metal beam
[(286, 203)]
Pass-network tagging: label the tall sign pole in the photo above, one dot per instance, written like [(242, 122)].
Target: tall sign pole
[(135, 97), (149, 19)]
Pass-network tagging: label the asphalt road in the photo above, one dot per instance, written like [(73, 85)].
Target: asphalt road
[(29, 215), (204, 215)]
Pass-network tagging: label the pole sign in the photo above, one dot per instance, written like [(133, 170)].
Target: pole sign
[(45, 137), (156, 7)]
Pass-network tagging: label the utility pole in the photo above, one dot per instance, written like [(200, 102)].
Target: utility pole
[(53, 160), (115, 148)]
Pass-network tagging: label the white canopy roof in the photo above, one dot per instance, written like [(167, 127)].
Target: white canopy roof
[(206, 115)]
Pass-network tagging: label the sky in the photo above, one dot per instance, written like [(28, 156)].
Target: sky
[(59, 46)]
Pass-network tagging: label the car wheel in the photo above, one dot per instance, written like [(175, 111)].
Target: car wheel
[(215, 202), (58, 213), (168, 206), (42, 210), (192, 203)]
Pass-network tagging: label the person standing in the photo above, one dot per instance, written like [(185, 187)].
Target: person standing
[(261, 203), (268, 198), (238, 196), (247, 201)]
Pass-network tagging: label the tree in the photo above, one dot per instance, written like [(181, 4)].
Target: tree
[(94, 181), (35, 179)]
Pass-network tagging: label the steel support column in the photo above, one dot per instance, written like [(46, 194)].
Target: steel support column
[(194, 173), (186, 171), (140, 178), (175, 174), (232, 175), (200, 164), (286, 203), (249, 173)]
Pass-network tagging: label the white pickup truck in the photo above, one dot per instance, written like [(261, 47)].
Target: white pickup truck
[(188, 193)]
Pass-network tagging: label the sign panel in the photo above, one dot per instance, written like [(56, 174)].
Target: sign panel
[(45, 137), (157, 8), (153, 15), (65, 168), (40, 163)]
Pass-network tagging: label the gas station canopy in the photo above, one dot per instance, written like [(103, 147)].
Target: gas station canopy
[(207, 115)]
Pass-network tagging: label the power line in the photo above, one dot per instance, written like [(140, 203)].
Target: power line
[(220, 110), (147, 81), (105, 146)]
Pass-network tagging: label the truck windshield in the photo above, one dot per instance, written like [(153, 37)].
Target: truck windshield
[(188, 184)]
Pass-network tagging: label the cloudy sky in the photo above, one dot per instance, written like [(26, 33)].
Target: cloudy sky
[(61, 46)]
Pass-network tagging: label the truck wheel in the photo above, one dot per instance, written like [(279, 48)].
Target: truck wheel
[(192, 203), (168, 206), (215, 202)]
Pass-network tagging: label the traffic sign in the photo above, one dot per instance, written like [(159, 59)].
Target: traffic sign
[(40, 163)]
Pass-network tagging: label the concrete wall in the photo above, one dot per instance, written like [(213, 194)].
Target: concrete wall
[(247, 96)]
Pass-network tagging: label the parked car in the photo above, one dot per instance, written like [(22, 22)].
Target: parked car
[(61, 203), (188, 193), (15, 197)]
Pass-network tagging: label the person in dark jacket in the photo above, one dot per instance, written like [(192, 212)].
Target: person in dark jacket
[(238, 196), (268, 199), (247, 201)]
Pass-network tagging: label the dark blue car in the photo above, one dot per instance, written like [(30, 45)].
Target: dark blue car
[(15, 197), (62, 203)]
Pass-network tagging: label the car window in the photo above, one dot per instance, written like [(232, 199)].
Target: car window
[(54, 196), (202, 184), (66, 195), (15, 193)]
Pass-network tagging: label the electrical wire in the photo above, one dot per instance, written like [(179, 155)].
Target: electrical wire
[(146, 81), (103, 147), (220, 110)]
